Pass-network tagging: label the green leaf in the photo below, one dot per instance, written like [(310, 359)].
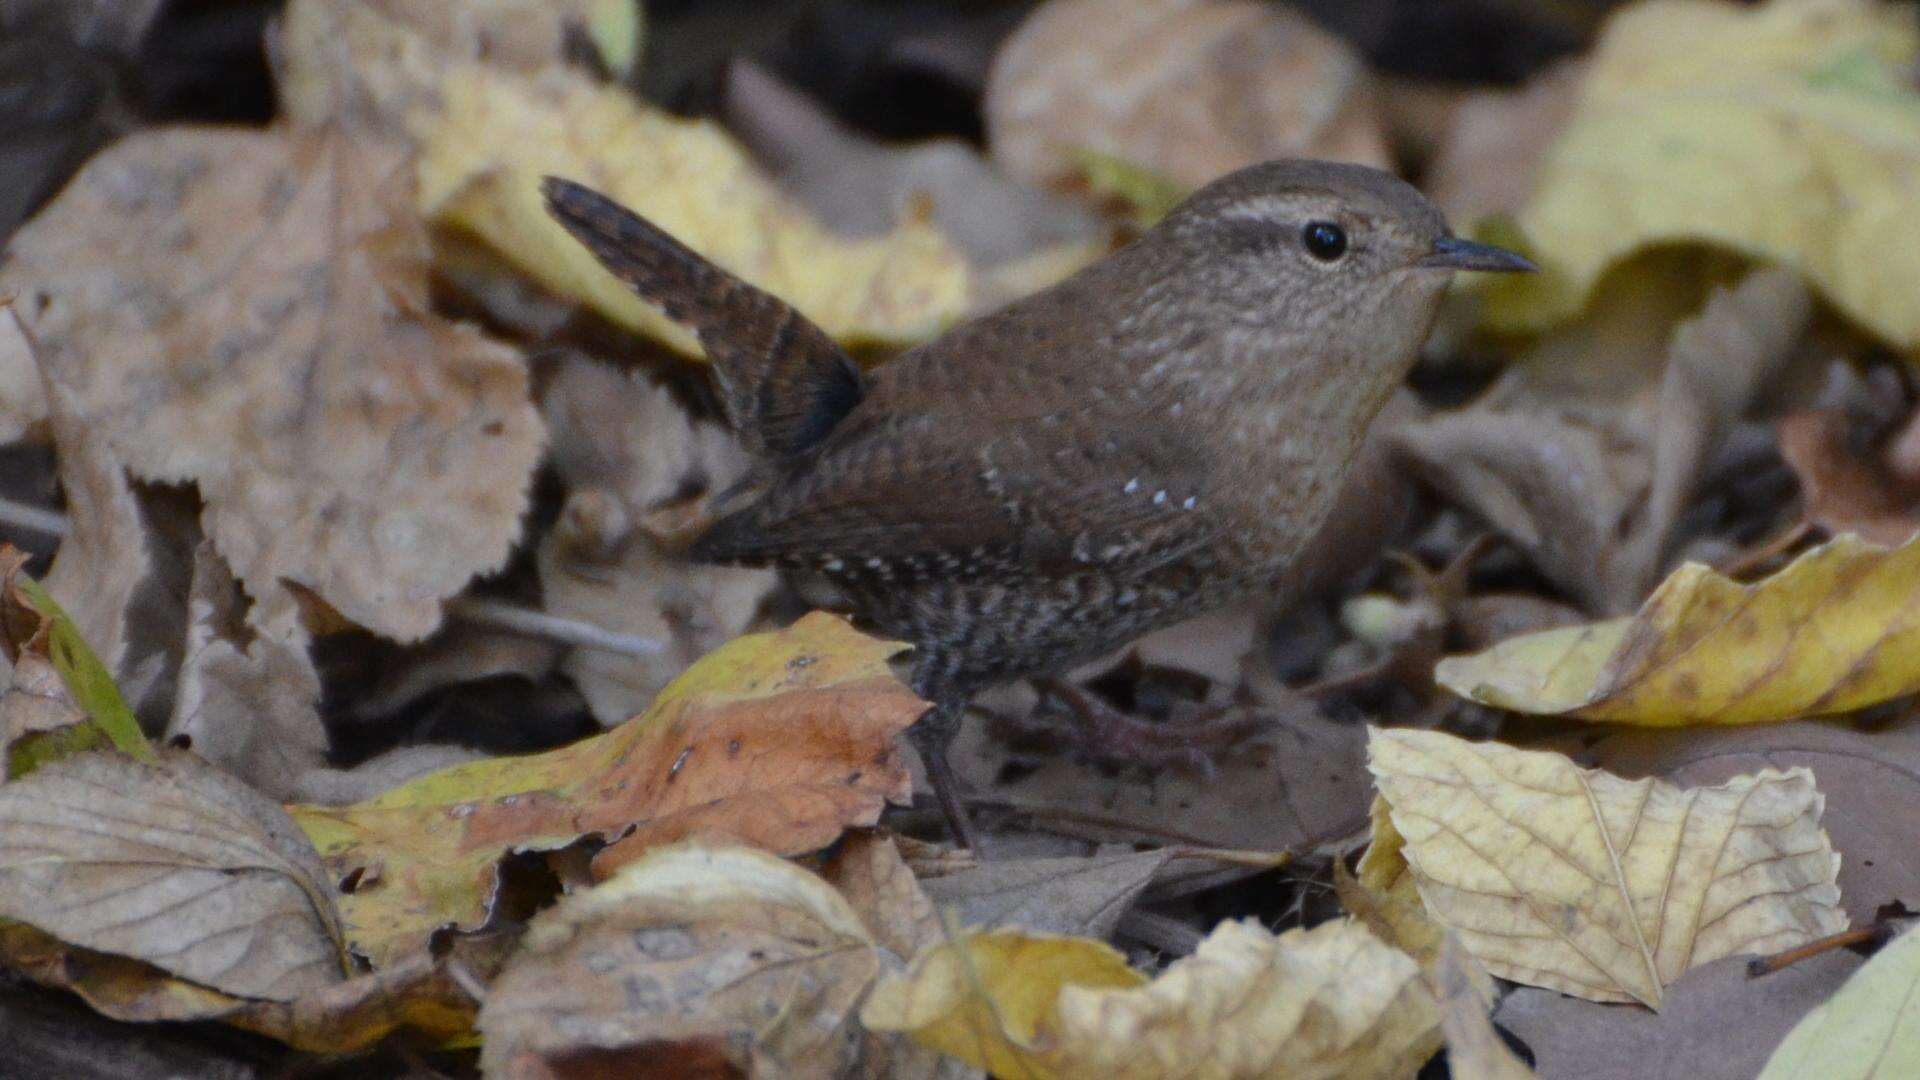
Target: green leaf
[(87, 679)]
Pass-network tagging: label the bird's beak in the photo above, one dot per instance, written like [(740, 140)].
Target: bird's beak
[(1453, 253)]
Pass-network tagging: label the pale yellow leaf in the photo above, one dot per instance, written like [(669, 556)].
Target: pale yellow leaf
[(1474, 1049), (1834, 630), (690, 954), (496, 135), (1597, 886), (1788, 131), (1868, 1030), (1330, 1001)]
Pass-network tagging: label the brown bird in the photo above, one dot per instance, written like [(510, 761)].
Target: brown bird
[(1155, 436)]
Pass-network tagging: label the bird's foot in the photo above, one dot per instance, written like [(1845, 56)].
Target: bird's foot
[(1108, 736), (931, 737)]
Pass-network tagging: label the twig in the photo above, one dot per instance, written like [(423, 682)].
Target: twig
[(1875, 934), (518, 620), (37, 518), (1748, 561)]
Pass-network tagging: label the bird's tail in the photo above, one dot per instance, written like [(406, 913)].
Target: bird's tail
[(783, 381)]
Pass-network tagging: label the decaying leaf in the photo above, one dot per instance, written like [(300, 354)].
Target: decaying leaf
[(690, 956), (1330, 1001), (870, 873), (1187, 89), (1071, 895), (496, 135), (427, 997), (627, 450), (1845, 490), (248, 695), (1831, 632), (778, 740), (1474, 1049), (1715, 1023), (1604, 888), (1869, 1030), (1809, 105), (267, 337), (176, 864)]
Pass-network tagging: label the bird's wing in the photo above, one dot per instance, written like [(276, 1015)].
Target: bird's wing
[(958, 495), (783, 381)]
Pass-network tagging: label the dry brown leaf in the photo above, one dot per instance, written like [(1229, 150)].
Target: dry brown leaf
[(1187, 89), (1474, 1049), (779, 740), (176, 864), (277, 350), (248, 695), (1845, 490), (1716, 1023), (1073, 895), (869, 872), (427, 997), (861, 187), (1326, 1002), (1609, 889), (624, 448), (690, 955)]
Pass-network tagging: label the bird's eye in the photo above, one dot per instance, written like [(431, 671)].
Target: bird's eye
[(1324, 240)]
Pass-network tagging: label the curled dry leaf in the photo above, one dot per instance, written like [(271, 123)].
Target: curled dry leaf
[(690, 958), (1869, 1030), (625, 448), (1604, 888), (1831, 632), (176, 864), (779, 740), (1809, 104), (870, 873), (248, 695), (277, 350), (494, 136), (1330, 1001), (1186, 89), (1071, 895)]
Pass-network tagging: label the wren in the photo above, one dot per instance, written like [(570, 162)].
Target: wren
[(1155, 436)]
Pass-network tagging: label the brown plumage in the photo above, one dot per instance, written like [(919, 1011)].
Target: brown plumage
[(1145, 440)]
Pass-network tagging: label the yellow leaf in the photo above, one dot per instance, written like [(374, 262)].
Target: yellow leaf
[(744, 958), (779, 740), (495, 135), (1601, 887), (1787, 131), (1868, 1030), (1834, 630), (1330, 1001)]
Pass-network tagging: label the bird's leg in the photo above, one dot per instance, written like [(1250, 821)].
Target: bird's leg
[(1110, 736), (931, 735)]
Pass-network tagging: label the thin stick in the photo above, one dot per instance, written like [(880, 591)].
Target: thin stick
[(538, 624), (37, 518), (1859, 935), (1747, 561)]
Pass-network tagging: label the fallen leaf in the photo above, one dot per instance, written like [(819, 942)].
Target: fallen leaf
[(1869, 1029), (494, 136), (1845, 490), (23, 395), (1330, 1001), (690, 954), (1868, 779), (861, 187), (276, 349), (1187, 89), (248, 695), (36, 631), (1073, 895), (176, 864), (1810, 105), (428, 997), (1715, 1023), (1474, 1049), (1495, 144), (778, 740), (379, 774), (624, 448), (1608, 889), (1828, 633), (868, 871)]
